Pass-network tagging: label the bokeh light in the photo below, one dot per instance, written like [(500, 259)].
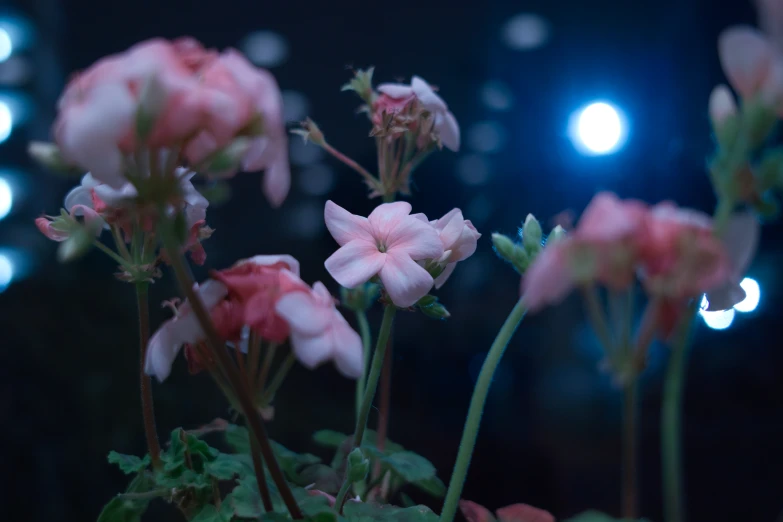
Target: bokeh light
[(6, 121), (719, 320), (473, 169), (316, 180), (486, 137), (497, 96), (6, 45), (598, 129), (525, 31), (265, 48), (6, 271), (6, 198), (295, 106), (752, 296)]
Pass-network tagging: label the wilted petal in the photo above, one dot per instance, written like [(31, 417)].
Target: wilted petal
[(747, 57), (344, 226), (45, 226), (115, 196), (405, 281), (475, 512), (725, 297), (355, 263)]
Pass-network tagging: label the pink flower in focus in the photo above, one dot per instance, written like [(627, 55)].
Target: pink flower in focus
[(603, 248), (319, 332), (444, 123), (514, 513), (387, 243), (257, 283), (459, 239), (165, 344)]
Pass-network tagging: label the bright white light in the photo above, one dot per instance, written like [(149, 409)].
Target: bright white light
[(6, 198), (752, 296), (6, 121), (6, 45), (6, 272), (599, 128), (718, 320)]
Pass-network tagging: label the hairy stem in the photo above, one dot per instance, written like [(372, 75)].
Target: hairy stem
[(473, 420)]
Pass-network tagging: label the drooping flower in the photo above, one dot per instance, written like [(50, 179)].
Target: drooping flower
[(514, 513), (59, 228), (387, 243), (319, 332), (443, 122), (603, 248), (459, 239)]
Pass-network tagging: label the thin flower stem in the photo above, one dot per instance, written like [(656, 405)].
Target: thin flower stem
[(630, 488), (253, 356), (375, 372), (385, 405), (597, 317), (120, 243), (147, 407), (112, 254), (342, 495), (269, 358), (473, 420), (239, 387), (258, 467), (369, 178), (364, 329), (277, 380)]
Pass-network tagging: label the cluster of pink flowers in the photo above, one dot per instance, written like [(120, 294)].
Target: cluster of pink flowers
[(403, 250), (673, 250), (191, 100), (265, 294)]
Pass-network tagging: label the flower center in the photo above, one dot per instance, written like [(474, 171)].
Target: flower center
[(381, 248)]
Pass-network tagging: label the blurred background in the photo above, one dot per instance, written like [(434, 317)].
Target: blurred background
[(516, 74)]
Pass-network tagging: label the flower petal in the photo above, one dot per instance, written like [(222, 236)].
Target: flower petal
[(344, 226), (415, 238), (741, 239), (747, 57), (162, 350), (355, 263), (523, 513), (303, 314), (448, 131), (348, 351), (548, 280), (290, 261), (80, 195), (725, 297), (277, 178), (405, 281), (475, 512), (443, 277), (386, 216), (395, 90), (426, 95), (311, 351)]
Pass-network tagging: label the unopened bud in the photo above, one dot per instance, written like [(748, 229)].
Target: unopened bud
[(557, 234), (511, 252), (48, 155), (360, 298), (759, 118), (152, 101), (430, 306), (311, 132), (358, 465), (531, 235), (723, 115)]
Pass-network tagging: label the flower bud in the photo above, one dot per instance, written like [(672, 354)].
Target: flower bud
[(558, 233), (759, 119), (360, 298), (48, 155), (311, 132), (531, 235), (361, 84), (436, 311), (724, 117), (151, 104), (358, 466), (511, 252)]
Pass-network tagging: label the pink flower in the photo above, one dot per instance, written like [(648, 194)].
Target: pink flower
[(165, 344), (59, 228), (514, 513), (602, 248), (444, 123), (721, 105), (740, 241), (319, 332), (387, 243), (459, 239), (257, 283)]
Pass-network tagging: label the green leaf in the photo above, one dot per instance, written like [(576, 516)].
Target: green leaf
[(182, 479), (129, 464), (123, 510), (237, 438), (324, 478), (292, 463), (364, 512), (329, 438), (597, 516), (226, 466), (408, 465), (246, 500), (210, 514), (433, 485)]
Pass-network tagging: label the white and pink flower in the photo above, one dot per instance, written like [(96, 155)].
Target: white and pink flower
[(459, 239)]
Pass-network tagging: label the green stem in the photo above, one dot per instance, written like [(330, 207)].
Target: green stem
[(239, 387), (375, 373), (671, 419), (266, 366), (364, 329), (476, 409), (629, 449), (342, 496), (278, 379), (147, 408), (112, 254), (597, 318)]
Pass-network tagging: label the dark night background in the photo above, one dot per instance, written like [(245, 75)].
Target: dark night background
[(551, 430)]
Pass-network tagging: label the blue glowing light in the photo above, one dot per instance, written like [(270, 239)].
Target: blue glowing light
[(598, 129)]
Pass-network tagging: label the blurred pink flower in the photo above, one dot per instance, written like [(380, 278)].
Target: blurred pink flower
[(740, 240), (514, 513), (444, 123), (459, 239), (319, 332), (387, 243), (55, 229)]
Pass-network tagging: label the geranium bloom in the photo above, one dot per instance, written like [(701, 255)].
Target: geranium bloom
[(514, 513), (191, 96), (319, 332), (399, 95), (387, 243), (57, 230), (459, 239), (602, 248)]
